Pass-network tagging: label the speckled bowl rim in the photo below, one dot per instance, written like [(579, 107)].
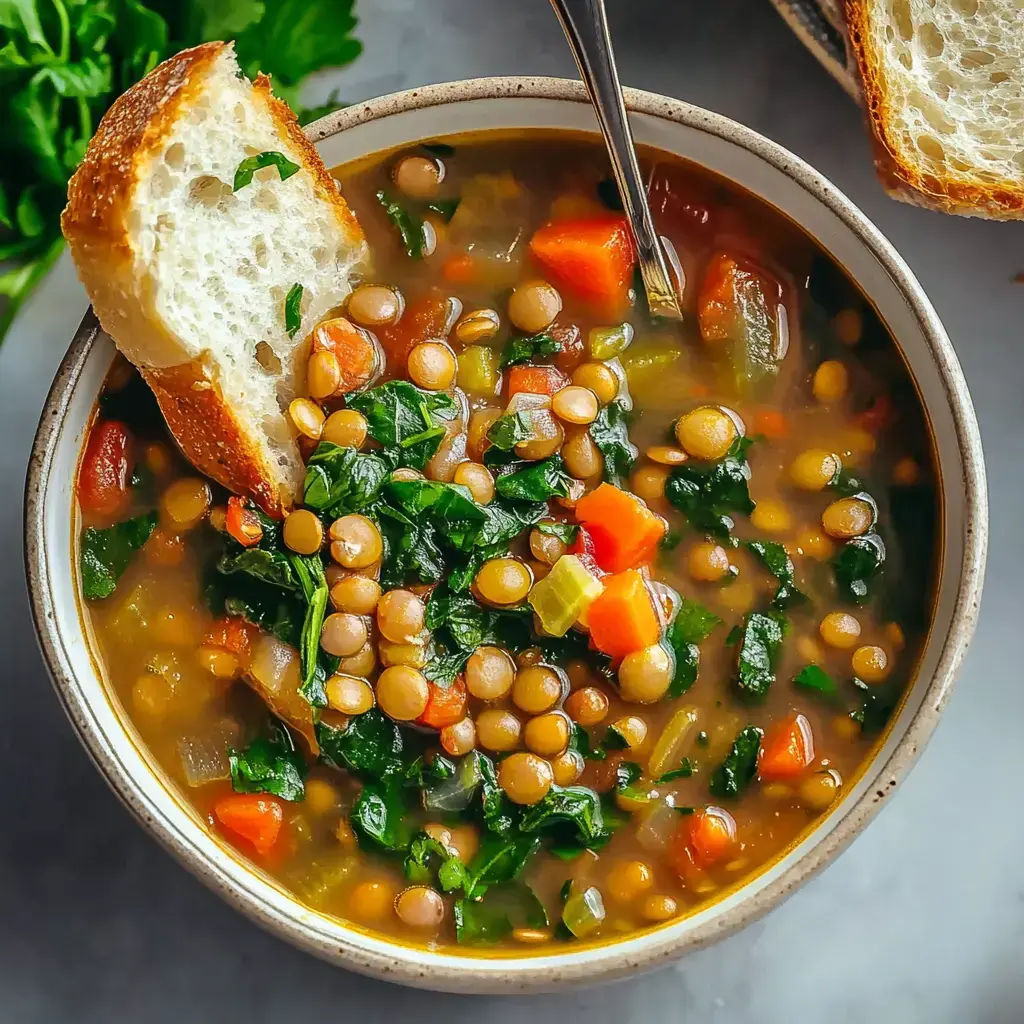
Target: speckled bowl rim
[(422, 968)]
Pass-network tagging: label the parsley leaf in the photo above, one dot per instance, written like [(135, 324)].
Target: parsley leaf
[(522, 350), (250, 165), (293, 310), (408, 226)]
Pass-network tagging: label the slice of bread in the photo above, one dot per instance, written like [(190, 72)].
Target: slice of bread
[(190, 277), (944, 89)]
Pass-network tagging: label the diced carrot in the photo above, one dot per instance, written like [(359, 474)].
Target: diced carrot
[(710, 834), (591, 258), (426, 318), (233, 634), (460, 268), (770, 423), (716, 304), (623, 618), (105, 474), (624, 531), (242, 523), (355, 349), (787, 750), (253, 816), (537, 380), (445, 706)]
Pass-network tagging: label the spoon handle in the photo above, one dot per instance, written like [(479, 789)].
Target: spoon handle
[(585, 24)]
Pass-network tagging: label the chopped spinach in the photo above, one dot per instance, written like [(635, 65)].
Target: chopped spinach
[(341, 480), (608, 193), (537, 482), (627, 775), (706, 495), (857, 563), (270, 764), (691, 626), (507, 520), (449, 507), (409, 549), (293, 310), (738, 769), (686, 769), (429, 858), (565, 532), (370, 745), (455, 793), (573, 812), (579, 740), (497, 913), (263, 604), (846, 484), (816, 680), (106, 553), (251, 164), (875, 709), (310, 572), (507, 431), (522, 350), (398, 411), (501, 860), (761, 640), (262, 563), (382, 813), (496, 807), (777, 561), (610, 432), (408, 226)]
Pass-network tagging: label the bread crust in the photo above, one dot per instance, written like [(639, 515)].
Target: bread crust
[(902, 178), (95, 223)]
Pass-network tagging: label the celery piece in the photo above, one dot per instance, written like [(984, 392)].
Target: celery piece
[(478, 369), (609, 342), (583, 912), (564, 594)]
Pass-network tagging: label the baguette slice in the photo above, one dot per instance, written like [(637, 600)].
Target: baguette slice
[(190, 278), (944, 90)]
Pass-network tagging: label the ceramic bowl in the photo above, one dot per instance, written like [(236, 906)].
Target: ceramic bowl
[(828, 217)]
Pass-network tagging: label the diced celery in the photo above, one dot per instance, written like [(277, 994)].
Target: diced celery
[(647, 361), (583, 912), (564, 594), (478, 369), (609, 342)]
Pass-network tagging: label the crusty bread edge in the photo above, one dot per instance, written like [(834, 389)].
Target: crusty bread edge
[(902, 180)]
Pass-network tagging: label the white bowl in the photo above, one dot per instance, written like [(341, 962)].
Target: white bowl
[(828, 217)]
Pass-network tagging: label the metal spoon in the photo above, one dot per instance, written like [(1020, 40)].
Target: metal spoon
[(585, 24)]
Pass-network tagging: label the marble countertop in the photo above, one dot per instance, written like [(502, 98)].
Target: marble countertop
[(921, 920)]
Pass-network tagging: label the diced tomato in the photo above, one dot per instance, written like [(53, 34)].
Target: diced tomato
[(770, 423), (445, 706), (625, 533), (460, 269), (537, 380), (590, 258), (233, 634), (622, 618), (355, 349), (877, 416), (787, 750), (256, 817), (709, 835), (572, 351), (242, 522), (105, 475), (422, 320), (584, 548)]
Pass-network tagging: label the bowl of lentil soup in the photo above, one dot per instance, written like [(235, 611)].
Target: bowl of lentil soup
[(595, 637)]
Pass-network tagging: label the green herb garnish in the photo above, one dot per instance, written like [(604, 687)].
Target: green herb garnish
[(408, 226), (106, 553), (250, 165), (293, 309)]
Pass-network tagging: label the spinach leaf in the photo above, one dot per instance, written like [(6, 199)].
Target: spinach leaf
[(470, 624), (398, 411), (537, 482), (269, 565), (310, 573), (293, 309), (858, 562), (579, 740), (610, 432), (691, 626), (106, 553), (408, 226), (340, 480), (507, 431), (263, 604), (507, 520), (270, 764), (500, 860), (522, 350), (761, 639), (251, 164), (428, 858), (816, 680), (444, 664), (627, 775), (416, 451), (497, 913), (846, 484), (573, 811), (409, 549), (382, 814), (454, 794), (777, 561), (565, 532), (738, 769), (686, 769), (706, 495), (449, 507), (368, 745), (875, 710), (495, 806)]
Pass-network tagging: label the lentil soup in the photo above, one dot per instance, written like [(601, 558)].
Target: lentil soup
[(586, 617)]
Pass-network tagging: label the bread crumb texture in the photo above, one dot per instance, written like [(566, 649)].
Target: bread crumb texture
[(943, 85)]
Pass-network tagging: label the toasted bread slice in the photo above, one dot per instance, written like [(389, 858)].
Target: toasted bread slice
[(944, 89), (190, 277)]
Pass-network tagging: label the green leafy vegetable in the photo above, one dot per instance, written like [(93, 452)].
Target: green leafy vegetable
[(267, 564), (444, 207), (293, 309), (398, 412), (610, 432), (270, 764), (507, 431), (382, 814), (341, 480), (523, 349), (858, 562), (428, 858), (408, 226), (565, 532), (691, 626), (106, 553), (310, 572), (817, 680), (777, 561), (608, 193), (686, 769), (263, 604), (497, 913), (846, 484), (250, 165), (573, 811), (738, 769), (537, 482), (875, 710), (761, 640), (370, 745), (706, 495)]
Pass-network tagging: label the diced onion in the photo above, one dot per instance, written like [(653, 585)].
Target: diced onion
[(659, 821), (583, 912), (275, 665), (204, 757)]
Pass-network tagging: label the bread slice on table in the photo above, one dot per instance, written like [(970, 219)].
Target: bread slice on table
[(190, 277), (944, 90)]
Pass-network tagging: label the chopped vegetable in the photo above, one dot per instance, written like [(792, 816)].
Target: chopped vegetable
[(787, 750), (777, 561), (253, 816), (816, 680), (106, 470), (856, 565), (624, 531), (340, 480), (761, 638), (537, 481), (408, 226), (445, 706), (591, 258), (738, 769), (677, 736), (623, 619), (691, 626), (522, 349), (478, 370), (358, 355), (564, 594), (105, 554), (711, 835), (398, 411), (270, 764), (536, 380), (293, 309), (611, 435), (706, 495), (242, 523), (584, 912)]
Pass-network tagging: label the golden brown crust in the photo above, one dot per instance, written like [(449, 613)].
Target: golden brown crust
[(901, 178), (203, 424)]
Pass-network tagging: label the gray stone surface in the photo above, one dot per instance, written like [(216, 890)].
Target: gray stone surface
[(920, 921)]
